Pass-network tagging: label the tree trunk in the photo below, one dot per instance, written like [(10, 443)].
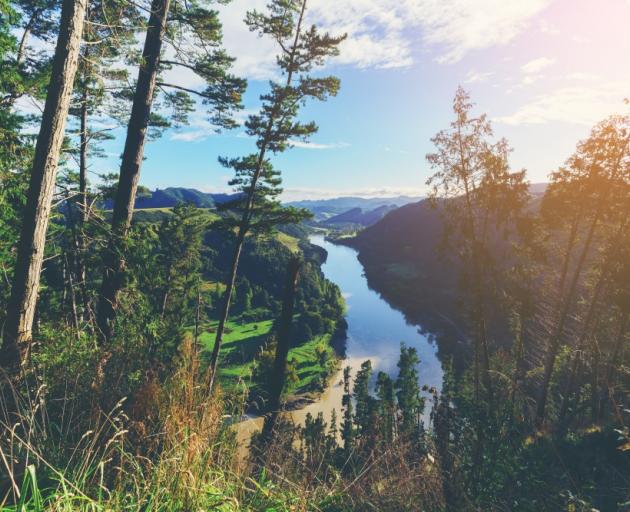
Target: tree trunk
[(71, 295), (279, 374), (83, 149), (595, 361), (554, 341), (590, 315), (21, 309), (519, 351), (246, 218), (83, 209), (225, 309), (197, 320), (114, 264)]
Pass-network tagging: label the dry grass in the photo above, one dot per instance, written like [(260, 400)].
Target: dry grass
[(171, 448)]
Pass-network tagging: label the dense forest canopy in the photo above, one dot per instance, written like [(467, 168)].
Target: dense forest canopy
[(141, 330)]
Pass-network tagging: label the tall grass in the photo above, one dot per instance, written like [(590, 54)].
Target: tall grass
[(169, 447)]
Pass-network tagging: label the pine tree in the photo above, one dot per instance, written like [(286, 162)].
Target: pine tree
[(475, 189), (194, 33), (410, 401), (387, 405), (21, 310), (594, 184), (257, 209), (279, 373), (24, 71), (362, 399), (347, 428)]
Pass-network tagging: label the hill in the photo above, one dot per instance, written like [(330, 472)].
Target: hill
[(399, 254), (324, 209), (357, 216), (402, 261), (171, 196)]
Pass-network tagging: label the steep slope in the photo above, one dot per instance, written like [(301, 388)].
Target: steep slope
[(401, 262), (402, 259), (357, 216)]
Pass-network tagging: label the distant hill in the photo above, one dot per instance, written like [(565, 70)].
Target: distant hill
[(399, 254), (357, 216), (402, 262), (537, 189), (324, 209), (171, 196)]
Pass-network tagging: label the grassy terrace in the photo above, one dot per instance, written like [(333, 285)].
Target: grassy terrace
[(243, 342)]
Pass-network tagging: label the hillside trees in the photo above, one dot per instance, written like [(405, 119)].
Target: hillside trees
[(257, 210), (479, 196), (592, 192), (21, 310), (177, 277), (480, 199), (192, 34)]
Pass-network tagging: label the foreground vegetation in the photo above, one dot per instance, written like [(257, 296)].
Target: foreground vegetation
[(132, 348)]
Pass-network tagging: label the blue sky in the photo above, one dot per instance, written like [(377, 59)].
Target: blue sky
[(543, 70)]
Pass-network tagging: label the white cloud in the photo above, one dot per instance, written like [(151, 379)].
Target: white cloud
[(297, 194), (191, 136), (530, 79), (583, 104), (474, 77), (537, 65), (548, 28), (460, 26), (315, 145), (384, 33), (197, 130)]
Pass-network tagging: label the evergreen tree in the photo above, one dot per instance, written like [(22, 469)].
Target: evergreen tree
[(475, 189), (178, 262), (387, 405), (257, 209), (594, 185), (21, 310), (25, 72), (362, 399), (194, 34), (347, 428), (279, 374), (410, 401)]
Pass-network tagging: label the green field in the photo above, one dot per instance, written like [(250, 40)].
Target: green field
[(243, 342), (290, 242)]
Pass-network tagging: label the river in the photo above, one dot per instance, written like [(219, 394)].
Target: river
[(375, 332)]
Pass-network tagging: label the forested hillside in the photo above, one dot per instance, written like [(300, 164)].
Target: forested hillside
[(358, 217), (406, 260), (171, 196)]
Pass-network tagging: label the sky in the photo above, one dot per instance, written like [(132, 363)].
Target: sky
[(544, 71)]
